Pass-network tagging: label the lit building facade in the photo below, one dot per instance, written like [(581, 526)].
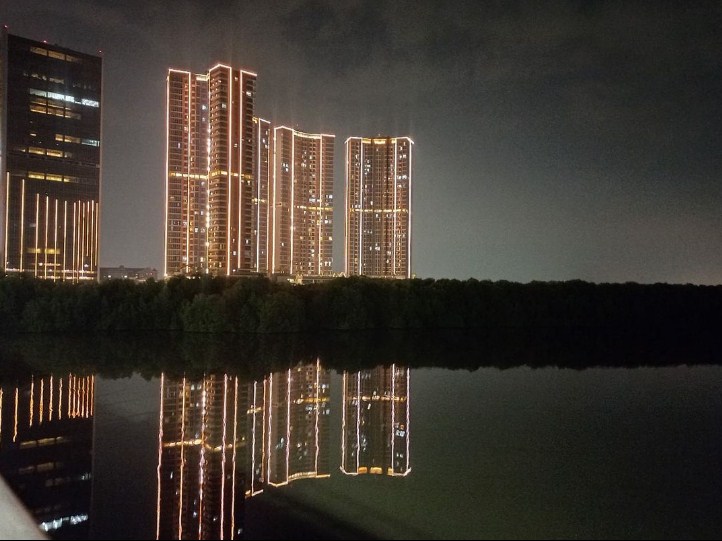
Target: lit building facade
[(378, 206), (186, 172), (46, 438), (230, 179), (376, 416), (50, 137), (262, 193), (210, 188), (302, 211)]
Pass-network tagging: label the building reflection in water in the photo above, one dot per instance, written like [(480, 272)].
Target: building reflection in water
[(376, 417), (221, 439), (298, 414), (198, 476), (46, 436)]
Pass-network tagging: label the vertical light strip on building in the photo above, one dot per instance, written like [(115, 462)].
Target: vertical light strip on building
[(347, 212), (188, 181), (293, 200), (45, 242), (22, 227), (362, 170), (167, 195), (241, 180), (396, 205), (319, 175), (258, 196), (272, 241), (409, 228), (7, 219), (55, 243), (229, 202), (37, 226), (65, 237)]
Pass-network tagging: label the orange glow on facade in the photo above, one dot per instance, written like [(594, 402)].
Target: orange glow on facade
[(212, 195), (378, 206), (303, 203)]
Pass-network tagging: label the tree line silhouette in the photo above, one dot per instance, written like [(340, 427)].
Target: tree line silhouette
[(206, 304)]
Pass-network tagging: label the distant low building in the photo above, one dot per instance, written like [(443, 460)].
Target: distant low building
[(128, 273)]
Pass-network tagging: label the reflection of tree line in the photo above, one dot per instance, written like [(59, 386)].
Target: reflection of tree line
[(223, 438), (252, 356), (46, 427)]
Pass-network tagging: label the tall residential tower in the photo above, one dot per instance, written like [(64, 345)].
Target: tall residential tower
[(186, 172), (378, 206), (302, 203), (210, 192), (50, 124)]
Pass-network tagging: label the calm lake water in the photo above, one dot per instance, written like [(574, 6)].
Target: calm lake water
[(386, 452)]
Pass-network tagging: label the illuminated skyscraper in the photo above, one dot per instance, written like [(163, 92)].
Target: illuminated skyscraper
[(297, 430), (200, 483), (186, 173), (262, 193), (230, 180), (302, 203), (50, 119), (46, 439), (376, 417), (210, 192), (378, 206)]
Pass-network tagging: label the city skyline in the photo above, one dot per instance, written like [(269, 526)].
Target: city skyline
[(555, 142)]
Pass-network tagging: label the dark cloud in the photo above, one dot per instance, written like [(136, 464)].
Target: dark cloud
[(335, 36)]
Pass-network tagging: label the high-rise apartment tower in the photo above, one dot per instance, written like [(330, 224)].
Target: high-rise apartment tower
[(209, 177), (302, 203), (378, 206)]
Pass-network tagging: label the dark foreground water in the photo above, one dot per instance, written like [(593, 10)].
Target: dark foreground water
[(385, 452)]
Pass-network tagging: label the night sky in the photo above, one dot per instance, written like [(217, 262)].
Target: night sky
[(553, 140)]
